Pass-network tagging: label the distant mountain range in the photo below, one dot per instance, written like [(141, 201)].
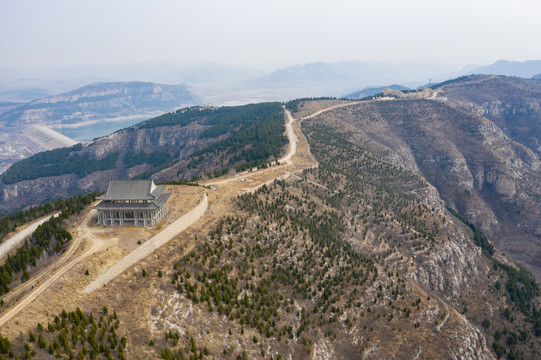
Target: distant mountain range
[(223, 84), (525, 69), (32, 84), (98, 103), (335, 79), (24, 95)]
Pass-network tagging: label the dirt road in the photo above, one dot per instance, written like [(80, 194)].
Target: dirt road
[(292, 137), (96, 244), (328, 109), (284, 161)]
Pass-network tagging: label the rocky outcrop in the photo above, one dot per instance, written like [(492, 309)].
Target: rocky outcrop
[(513, 104), (503, 183), (475, 166), (18, 195), (450, 268), (420, 94)]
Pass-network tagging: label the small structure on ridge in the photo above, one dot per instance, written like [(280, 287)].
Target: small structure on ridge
[(133, 202)]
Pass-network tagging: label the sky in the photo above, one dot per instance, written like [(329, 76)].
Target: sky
[(265, 34)]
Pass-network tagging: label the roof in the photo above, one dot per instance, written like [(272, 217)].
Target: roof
[(154, 205), (132, 190)]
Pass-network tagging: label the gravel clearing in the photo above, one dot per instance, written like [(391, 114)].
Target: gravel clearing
[(149, 246)]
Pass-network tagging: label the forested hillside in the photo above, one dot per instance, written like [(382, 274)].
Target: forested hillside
[(355, 259), (58, 162), (188, 143)]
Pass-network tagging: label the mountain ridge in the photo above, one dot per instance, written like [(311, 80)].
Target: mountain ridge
[(525, 69), (109, 98), (356, 257), (357, 95)]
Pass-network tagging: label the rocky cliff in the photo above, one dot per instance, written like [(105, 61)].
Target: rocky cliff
[(182, 140), (178, 145), (398, 148), (475, 166), (512, 103)]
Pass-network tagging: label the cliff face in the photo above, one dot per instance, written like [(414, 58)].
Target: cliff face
[(182, 139), (475, 166), (459, 160), (513, 104)]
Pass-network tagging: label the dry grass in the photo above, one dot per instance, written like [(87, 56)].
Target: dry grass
[(131, 295)]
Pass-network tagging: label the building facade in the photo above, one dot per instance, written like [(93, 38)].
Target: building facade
[(132, 202)]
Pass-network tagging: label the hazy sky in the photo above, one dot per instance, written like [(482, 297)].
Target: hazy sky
[(266, 34)]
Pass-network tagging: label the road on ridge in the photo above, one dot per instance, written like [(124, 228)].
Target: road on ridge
[(168, 233), (284, 160)]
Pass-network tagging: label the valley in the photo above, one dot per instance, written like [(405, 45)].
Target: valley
[(81, 115)]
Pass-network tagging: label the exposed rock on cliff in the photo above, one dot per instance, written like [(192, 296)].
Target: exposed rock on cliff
[(475, 166)]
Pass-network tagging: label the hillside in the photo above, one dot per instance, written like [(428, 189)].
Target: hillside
[(81, 115), (513, 104), (185, 144), (353, 257), (474, 165)]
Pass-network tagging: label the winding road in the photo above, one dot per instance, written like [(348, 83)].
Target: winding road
[(96, 245), (284, 160)]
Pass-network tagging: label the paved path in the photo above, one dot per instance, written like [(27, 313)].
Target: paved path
[(13, 241), (149, 246)]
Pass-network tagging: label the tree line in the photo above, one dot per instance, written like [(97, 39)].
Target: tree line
[(50, 237), (10, 222), (58, 162)]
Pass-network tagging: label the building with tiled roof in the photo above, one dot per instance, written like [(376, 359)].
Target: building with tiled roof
[(133, 202)]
